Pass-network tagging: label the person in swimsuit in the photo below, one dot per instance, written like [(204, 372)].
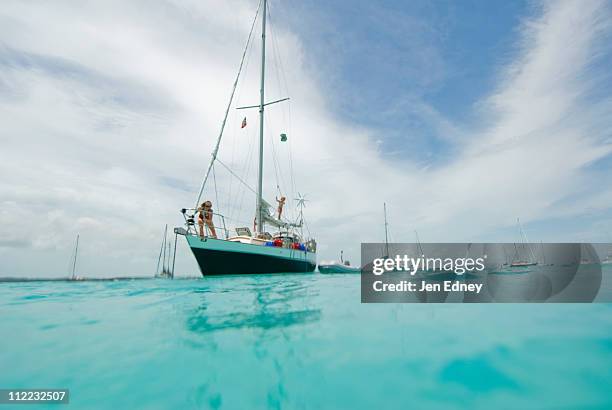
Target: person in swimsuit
[(281, 204), (205, 214)]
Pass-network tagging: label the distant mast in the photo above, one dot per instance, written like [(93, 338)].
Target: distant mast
[(386, 234), (524, 239), (76, 251)]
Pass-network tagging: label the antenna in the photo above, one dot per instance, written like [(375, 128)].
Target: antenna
[(301, 204)]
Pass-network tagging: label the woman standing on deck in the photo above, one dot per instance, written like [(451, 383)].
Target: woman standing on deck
[(205, 214)]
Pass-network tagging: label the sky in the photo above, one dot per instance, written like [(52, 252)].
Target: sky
[(460, 116)]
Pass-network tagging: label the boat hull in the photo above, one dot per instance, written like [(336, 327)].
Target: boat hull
[(220, 257), (522, 264), (338, 268)]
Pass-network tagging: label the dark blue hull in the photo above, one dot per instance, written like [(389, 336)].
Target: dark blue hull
[(216, 262)]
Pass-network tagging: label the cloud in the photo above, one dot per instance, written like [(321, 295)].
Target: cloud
[(109, 112)]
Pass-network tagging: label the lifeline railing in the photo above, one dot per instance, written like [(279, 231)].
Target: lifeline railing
[(189, 215), (191, 223)]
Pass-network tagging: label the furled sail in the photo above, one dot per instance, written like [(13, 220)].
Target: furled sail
[(268, 216)]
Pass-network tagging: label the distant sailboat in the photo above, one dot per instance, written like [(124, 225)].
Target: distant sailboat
[(608, 259), (588, 254), (344, 266), (335, 267), (164, 257), (73, 275), (418, 243), (543, 253), (520, 259)]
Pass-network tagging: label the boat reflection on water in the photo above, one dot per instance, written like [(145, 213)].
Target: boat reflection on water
[(260, 305)]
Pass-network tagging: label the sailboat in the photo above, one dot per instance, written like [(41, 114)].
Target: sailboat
[(420, 250), (345, 266), (335, 267), (608, 259), (246, 252), (519, 260), (73, 275), (164, 258)]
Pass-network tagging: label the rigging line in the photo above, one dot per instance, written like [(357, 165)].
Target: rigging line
[(235, 120), (278, 65), (276, 56), (278, 62), (215, 185), (160, 252), (237, 177), (275, 161), (280, 72), (245, 170), (280, 181), (230, 195), (231, 181), (240, 193), (239, 196), (229, 104), (275, 53), (246, 71), (291, 168)]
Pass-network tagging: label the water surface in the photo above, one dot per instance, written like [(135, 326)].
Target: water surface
[(296, 341)]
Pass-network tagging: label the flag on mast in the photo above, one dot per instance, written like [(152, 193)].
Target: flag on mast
[(244, 123)]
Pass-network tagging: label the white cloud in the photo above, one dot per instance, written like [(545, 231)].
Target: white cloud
[(109, 111)]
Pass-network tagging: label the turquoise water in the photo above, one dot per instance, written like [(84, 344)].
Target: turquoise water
[(296, 341)]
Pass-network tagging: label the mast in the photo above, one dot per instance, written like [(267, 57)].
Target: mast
[(174, 257), (386, 235), (161, 250), (416, 234), (76, 251), (168, 267), (258, 208), (164, 241), (525, 241)]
